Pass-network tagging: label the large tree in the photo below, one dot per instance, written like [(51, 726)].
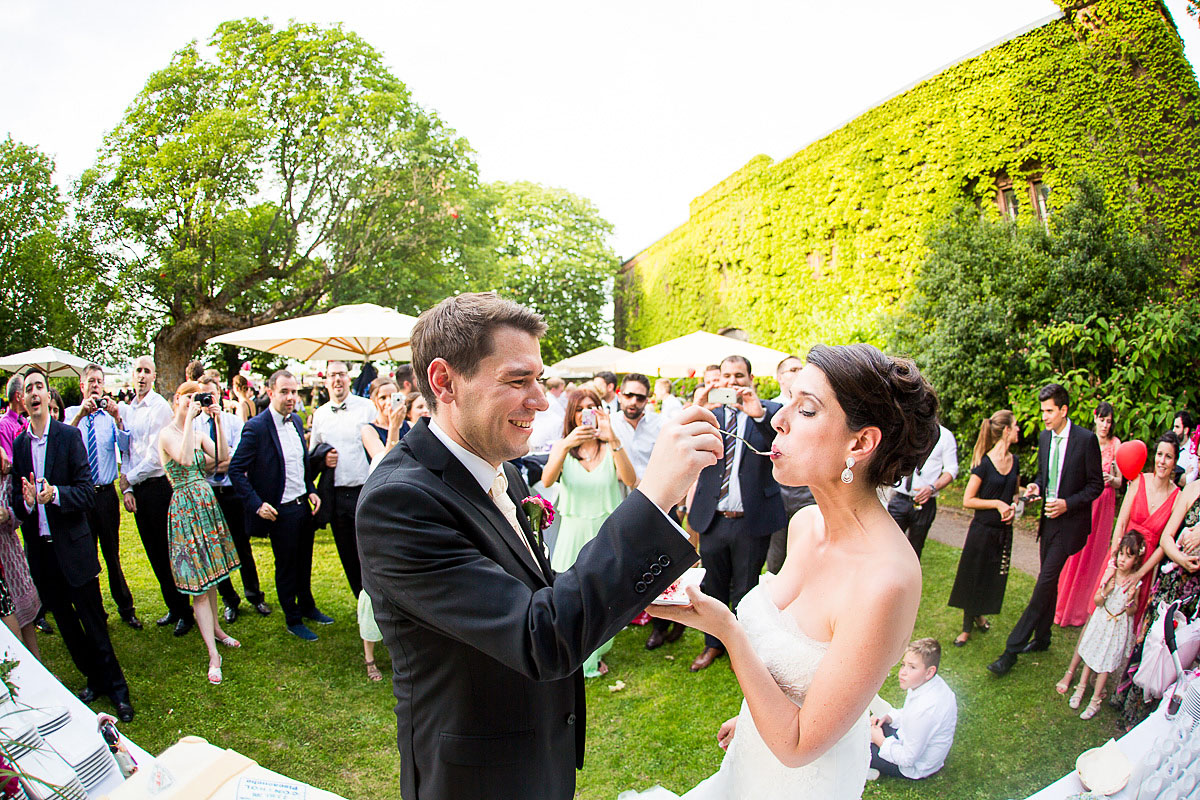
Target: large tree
[(254, 176), (554, 257), (50, 280)]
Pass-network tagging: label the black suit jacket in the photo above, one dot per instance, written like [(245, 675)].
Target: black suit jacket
[(487, 642), (67, 468), (256, 469), (1081, 481), (760, 491)]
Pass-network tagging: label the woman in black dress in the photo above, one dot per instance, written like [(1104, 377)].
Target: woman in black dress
[(983, 566)]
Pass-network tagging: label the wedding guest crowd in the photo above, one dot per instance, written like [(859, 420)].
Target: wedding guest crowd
[(205, 471)]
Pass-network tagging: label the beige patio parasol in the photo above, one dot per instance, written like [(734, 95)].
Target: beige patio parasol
[(360, 332), (677, 357)]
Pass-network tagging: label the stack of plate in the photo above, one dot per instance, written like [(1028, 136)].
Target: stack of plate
[(52, 719), (49, 776), (23, 740), (95, 768)]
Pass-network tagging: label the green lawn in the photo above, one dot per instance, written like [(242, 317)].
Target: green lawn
[(306, 710)]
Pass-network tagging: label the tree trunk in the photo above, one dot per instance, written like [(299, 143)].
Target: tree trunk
[(174, 347)]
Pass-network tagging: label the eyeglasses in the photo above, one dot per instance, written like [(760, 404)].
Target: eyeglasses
[(634, 396)]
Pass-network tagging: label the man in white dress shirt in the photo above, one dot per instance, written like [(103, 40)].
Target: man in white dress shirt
[(339, 424), (606, 387), (636, 429), (145, 488), (914, 501), (913, 741)]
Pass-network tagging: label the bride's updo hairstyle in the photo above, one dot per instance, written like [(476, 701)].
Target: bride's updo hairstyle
[(888, 393)]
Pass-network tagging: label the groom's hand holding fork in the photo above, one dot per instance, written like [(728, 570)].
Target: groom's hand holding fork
[(685, 446)]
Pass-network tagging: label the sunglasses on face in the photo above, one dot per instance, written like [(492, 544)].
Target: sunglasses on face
[(634, 396)]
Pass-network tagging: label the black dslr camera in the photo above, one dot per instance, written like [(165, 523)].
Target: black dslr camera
[(205, 399)]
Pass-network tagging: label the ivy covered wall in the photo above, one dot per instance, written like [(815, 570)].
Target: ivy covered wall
[(821, 246)]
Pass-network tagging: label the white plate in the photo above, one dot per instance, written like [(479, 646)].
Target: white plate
[(675, 595)]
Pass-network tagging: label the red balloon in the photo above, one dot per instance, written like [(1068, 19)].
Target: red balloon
[(1131, 457)]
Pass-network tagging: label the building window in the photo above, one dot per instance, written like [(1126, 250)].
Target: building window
[(1041, 200), (1008, 203)]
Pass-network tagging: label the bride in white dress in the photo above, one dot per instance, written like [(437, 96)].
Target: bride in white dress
[(811, 646)]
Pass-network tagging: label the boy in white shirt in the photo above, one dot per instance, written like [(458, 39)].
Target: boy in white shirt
[(913, 741)]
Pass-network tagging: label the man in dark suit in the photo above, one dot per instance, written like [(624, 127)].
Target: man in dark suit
[(1069, 478), (52, 493), (736, 506), (486, 641), (269, 473)]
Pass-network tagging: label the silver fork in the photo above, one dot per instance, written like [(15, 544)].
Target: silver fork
[(749, 446)]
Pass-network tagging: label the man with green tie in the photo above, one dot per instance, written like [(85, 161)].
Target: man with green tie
[(1069, 478)]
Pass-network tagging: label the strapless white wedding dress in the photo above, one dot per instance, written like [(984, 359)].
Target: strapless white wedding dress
[(750, 770)]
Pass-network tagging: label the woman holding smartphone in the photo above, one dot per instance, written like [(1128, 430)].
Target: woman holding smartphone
[(390, 423), (591, 465)]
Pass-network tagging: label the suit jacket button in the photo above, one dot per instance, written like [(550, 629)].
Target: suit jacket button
[(639, 587), (647, 577), (570, 719), (656, 569), (664, 560)]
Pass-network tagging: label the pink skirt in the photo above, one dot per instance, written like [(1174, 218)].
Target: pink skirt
[(1081, 573)]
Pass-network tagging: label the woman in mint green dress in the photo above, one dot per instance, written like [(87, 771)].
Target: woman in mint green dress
[(590, 464), (198, 542)]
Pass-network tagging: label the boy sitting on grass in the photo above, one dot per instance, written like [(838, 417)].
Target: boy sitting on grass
[(913, 741)]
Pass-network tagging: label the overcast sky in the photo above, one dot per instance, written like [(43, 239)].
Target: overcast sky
[(639, 106)]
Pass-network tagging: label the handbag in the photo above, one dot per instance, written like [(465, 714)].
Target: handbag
[(1157, 671)]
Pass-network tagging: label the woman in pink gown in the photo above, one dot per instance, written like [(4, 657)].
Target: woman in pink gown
[(1077, 582)]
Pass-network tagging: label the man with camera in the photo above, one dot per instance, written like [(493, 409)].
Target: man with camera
[(736, 506), (231, 504), (99, 420), (146, 490), (338, 424)]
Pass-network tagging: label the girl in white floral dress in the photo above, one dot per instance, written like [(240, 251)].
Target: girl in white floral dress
[(1108, 637)]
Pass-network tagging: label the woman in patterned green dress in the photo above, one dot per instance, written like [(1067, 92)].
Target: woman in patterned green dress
[(1180, 544), (200, 547)]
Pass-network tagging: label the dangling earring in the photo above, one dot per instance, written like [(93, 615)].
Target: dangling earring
[(847, 474)]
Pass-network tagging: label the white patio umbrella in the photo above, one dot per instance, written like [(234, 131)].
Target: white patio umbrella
[(676, 357), (588, 363), (57, 363), (361, 332)]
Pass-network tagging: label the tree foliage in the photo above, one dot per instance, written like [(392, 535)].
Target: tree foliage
[(990, 289), (553, 256), (1144, 362), (51, 290), (270, 172)]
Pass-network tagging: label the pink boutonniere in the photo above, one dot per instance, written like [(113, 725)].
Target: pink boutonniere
[(539, 510)]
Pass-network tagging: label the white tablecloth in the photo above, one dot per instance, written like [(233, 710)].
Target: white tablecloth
[(1134, 745)]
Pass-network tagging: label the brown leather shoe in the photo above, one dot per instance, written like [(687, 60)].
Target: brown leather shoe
[(677, 629), (705, 659), (656, 640)]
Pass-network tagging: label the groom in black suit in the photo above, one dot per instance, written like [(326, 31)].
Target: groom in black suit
[(1069, 478), (486, 641)]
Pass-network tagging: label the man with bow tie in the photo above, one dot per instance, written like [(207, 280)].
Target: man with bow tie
[(339, 424)]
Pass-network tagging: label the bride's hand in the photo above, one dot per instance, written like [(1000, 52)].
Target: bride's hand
[(725, 735), (704, 613)]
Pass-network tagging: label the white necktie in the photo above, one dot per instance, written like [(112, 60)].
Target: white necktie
[(499, 495)]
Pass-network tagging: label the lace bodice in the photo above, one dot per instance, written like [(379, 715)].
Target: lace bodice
[(789, 654)]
